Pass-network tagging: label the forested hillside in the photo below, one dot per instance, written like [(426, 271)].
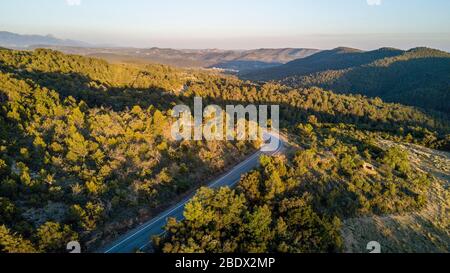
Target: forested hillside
[(335, 169), (85, 153), (334, 59), (86, 170), (418, 77), (296, 205)]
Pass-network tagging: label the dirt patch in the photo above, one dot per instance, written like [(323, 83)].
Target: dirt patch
[(425, 231)]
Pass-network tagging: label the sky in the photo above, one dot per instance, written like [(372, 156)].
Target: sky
[(235, 24)]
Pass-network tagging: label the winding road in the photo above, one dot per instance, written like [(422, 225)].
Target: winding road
[(140, 238)]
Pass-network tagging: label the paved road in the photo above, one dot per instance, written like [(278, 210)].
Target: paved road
[(139, 238)]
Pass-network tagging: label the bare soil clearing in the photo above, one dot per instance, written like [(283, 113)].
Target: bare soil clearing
[(424, 231)]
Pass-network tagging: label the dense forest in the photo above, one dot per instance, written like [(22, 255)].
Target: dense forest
[(73, 168), (295, 205), (335, 169), (86, 153), (417, 77)]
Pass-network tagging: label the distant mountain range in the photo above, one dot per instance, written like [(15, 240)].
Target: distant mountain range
[(418, 77), (233, 60), (18, 41), (230, 60)]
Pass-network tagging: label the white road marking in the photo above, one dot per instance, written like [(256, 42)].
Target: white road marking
[(183, 203), (180, 205)]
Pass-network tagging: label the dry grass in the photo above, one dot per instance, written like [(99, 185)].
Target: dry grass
[(425, 231)]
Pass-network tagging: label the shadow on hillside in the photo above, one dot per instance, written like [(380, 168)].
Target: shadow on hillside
[(335, 59), (421, 82), (244, 66), (290, 116), (96, 94)]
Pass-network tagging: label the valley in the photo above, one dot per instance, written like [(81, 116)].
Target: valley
[(224, 136), (91, 158)]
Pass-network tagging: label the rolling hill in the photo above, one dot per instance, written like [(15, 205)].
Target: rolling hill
[(338, 58), (87, 154), (241, 60), (418, 77)]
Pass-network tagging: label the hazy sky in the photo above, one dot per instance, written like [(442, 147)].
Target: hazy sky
[(237, 24)]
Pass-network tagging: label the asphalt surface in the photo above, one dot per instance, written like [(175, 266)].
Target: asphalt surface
[(140, 238)]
